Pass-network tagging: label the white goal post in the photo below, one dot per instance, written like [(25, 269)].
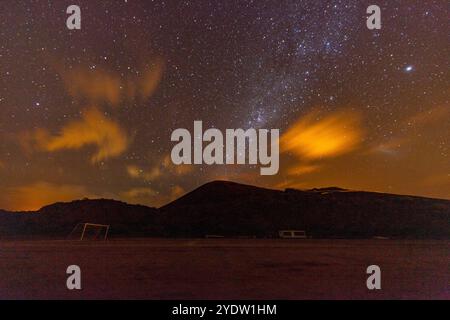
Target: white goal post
[(90, 231)]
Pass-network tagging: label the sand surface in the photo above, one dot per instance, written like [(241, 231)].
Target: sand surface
[(225, 269)]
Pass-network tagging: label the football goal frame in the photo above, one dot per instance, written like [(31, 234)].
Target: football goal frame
[(86, 225)]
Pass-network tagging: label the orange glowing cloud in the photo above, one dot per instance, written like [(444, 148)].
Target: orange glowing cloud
[(134, 171), (422, 124), (36, 195), (429, 117), (139, 173), (179, 170), (93, 129), (99, 86), (312, 137), (176, 192), (148, 83), (164, 167), (137, 193), (302, 169), (151, 197)]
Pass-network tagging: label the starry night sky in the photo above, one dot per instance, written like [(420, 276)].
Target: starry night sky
[(89, 113)]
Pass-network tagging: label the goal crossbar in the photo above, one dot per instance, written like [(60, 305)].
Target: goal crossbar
[(95, 225)]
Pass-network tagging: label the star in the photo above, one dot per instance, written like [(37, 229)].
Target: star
[(409, 68), (258, 66)]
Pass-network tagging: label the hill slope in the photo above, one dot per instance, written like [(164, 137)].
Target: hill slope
[(58, 220), (233, 209)]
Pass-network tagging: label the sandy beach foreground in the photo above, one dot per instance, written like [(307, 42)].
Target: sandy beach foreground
[(225, 269)]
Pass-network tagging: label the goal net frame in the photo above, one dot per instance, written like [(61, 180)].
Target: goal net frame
[(86, 225)]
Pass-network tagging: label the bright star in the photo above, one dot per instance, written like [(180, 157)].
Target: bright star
[(409, 68)]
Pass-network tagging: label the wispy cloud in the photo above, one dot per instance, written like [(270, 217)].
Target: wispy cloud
[(413, 129), (316, 137), (137, 193), (302, 168), (429, 117), (98, 86), (313, 139), (164, 167), (94, 129)]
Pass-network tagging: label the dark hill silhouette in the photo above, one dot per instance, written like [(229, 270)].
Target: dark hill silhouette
[(219, 192), (227, 208), (58, 220), (232, 209)]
